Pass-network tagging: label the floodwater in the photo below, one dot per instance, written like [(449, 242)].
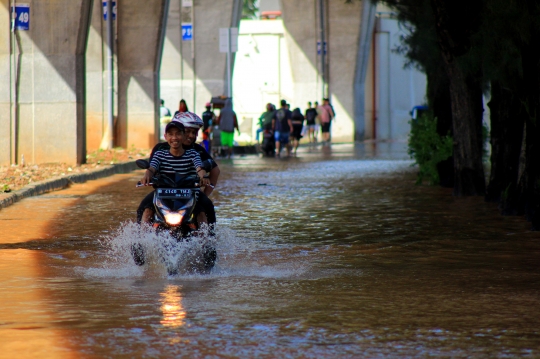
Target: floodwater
[(334, 254)]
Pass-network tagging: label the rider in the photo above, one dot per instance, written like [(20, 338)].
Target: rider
[(175, 161), (192, 123)]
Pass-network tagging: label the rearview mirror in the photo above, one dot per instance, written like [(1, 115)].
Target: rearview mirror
[(142, 164)]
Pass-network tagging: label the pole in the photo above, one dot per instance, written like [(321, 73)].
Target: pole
[(181, 53), (110, 87), (14, 74), (229, 85), (193, 57), (11, 81), (323, 47), (279, 66)]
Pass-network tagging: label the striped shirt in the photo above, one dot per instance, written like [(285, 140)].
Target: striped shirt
[(164, 162)]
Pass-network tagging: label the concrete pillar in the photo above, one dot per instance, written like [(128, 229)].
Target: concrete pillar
[(363, 128), (97, 80), (49, 79), (342, 30), (196, 71), (140, 27)]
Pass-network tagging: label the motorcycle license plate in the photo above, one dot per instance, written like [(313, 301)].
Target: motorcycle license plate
[(171, 193)]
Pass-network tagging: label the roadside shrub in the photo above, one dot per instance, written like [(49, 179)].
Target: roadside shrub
[(428, 148)]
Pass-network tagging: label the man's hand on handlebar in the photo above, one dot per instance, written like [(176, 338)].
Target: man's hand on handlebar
[(203, 181), (147, 178)]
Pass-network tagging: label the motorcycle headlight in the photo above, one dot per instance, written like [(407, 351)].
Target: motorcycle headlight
[(173, 218)]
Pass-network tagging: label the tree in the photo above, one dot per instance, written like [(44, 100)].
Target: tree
[(513, 66), (250, 9), (420, 47), (485, 45), (456, 21)]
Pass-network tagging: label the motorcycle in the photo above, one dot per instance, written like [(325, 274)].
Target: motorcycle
[(174, 204)]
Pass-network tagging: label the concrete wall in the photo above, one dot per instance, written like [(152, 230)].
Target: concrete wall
[(50, 82), (397, 90), (262, 73), (196, 70)]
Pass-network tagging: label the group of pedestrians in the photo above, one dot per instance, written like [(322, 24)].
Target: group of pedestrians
[(226, 120), (283, 128)]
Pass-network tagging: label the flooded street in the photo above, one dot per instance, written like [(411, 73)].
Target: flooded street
[(334, 254)]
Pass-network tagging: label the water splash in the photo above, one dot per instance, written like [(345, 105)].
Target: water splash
[(163, 254), (167, 258)]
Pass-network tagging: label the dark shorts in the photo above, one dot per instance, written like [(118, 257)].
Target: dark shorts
[(297, 131), (325, 127), (282, 137)]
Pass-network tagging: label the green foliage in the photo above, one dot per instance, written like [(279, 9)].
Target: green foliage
[(428, 148), (5, 188), (250, 9)]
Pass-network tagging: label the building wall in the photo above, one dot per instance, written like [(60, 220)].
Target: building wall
[(262, 72), (397, 89), (196, 70), (390, 90)]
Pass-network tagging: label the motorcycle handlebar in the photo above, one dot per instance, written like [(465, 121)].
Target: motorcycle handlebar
[(139, 184)]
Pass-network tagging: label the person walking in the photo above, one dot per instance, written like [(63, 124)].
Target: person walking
[(282, 126), (311, 116), (208, 118), (164, 119), (182, 107), (268, 143), (265, 120), (330, 109), (297, 120), (228, 122), (326, 115)]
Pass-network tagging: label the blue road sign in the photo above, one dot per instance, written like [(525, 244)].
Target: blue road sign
[(21, 15), (105, 10), (187, 32)]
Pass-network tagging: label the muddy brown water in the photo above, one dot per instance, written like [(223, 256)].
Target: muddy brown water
[(334, 254)]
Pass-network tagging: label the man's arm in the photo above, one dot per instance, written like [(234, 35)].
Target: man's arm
[(213, 177), (152, 170), (236, 123), (214, 172)]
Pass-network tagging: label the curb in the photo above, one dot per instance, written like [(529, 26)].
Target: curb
[(57, 184)]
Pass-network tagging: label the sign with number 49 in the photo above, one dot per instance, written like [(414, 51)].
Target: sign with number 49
[(21, 15)]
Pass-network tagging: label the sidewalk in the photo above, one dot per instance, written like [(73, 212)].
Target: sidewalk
[(56, 184)]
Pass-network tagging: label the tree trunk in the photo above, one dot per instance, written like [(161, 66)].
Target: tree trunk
[(438, 95), (456, 21), (467, 109), (507, 121), (529, 177)]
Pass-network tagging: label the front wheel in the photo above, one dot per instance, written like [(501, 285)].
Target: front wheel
[(209, 257), (137, 252)]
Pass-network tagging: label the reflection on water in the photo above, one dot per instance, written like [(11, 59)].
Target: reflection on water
[(333, 254), (173, 312)]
